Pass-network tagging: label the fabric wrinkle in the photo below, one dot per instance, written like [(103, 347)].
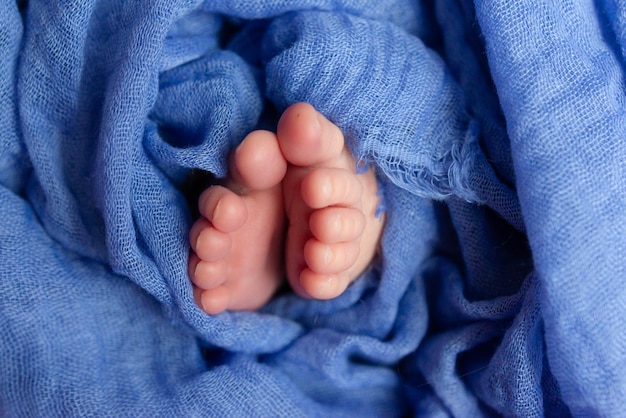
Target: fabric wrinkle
[(495, 129)]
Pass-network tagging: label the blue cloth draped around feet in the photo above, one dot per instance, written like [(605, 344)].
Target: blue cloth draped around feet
[(498, 132)]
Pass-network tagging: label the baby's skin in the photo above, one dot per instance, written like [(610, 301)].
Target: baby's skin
[(293, 204)]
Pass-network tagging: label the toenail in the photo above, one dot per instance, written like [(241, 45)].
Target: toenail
[(327, 283), (318, 122), (195, 246), (328, 254), (216, 209), (337, 224), (327, 187), (196, 270), (201, 243)]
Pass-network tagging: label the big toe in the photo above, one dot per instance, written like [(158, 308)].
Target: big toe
[(307, 138), (258, 163)]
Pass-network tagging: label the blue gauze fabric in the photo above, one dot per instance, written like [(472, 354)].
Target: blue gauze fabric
[(495, 127)]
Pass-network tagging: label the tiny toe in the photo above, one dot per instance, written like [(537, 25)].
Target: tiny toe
[(330, 258), (323, 286), (337, 224), (329, 186), (223, 208), (197, 227), (214, 301), (212, 244), (258, 161), (306, 137), (209, 275), (192, 264)]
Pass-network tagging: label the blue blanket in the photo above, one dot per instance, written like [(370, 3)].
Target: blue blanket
[(498, 131)]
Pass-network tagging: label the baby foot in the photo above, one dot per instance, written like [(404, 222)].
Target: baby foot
[(333, 231), (237, 244)]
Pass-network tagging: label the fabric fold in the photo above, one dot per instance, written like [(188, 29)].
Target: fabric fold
[(393, 98), (495, 130), (562, 94)]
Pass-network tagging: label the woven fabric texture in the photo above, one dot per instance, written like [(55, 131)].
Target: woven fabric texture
[(497, 129)]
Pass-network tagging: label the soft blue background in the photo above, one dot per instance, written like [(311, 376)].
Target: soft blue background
[(496, 127)]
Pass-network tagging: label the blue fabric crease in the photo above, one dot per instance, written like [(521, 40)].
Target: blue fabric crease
[(496, 130)]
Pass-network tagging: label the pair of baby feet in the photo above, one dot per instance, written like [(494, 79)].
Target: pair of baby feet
[(294, 204)]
